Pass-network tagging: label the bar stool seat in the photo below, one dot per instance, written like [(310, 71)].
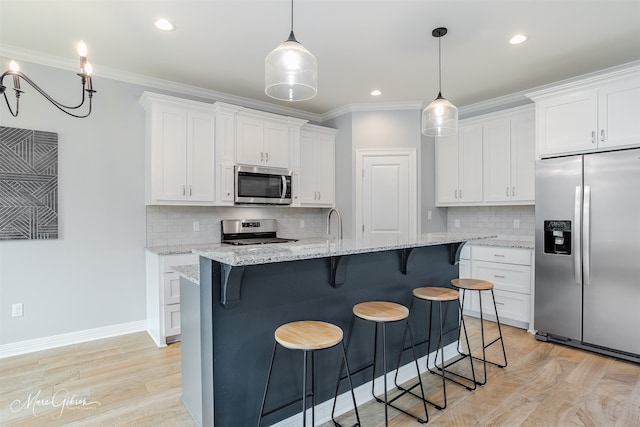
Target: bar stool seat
[(381, 313), (436, 294), (470, 284), (308, 336)]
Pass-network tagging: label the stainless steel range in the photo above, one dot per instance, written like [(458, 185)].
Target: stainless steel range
[(250, 232)]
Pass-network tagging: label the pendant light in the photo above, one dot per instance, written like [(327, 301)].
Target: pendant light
[(291, 71), (440, 118)]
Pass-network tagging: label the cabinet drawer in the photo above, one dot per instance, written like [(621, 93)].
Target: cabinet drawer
[(505, 277), (167, 262), (170, 288), (171, 319), (511, 305), (497, 254)]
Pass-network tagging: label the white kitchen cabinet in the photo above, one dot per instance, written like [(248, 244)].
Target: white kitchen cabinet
[(509, 157), (510, 270), (179, 151), (596, 114), (163, 295), (459, 167), (225, 115), (262, 142), (317, 166)]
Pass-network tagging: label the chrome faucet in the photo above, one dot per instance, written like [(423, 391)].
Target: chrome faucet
[(332, 210)]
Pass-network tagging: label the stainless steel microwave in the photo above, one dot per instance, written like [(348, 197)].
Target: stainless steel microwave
[(266, 186)]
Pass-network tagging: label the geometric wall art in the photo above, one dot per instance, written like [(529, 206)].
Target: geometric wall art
[(28, 184)]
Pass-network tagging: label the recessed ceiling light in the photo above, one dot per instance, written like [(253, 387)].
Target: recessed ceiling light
[(518, 38), (376, 92), (164, 25)]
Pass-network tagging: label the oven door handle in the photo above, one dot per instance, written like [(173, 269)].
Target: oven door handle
[(284, 187)]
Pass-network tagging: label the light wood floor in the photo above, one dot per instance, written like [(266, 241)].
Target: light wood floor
[(127, 381)]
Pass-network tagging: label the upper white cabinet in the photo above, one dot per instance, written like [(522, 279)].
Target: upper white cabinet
[(459, 167), (491, 161), (509, 157), (180, 150), (317, 167), (264, 140), (591, 115)]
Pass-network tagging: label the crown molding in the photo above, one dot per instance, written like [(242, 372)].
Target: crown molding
[(378, 106), (154, 83)]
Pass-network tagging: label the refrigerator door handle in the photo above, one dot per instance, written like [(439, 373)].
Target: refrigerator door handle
[(577, 239), (586, 239)]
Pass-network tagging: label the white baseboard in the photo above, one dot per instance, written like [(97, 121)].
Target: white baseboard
[(344, 403), (29, 346)]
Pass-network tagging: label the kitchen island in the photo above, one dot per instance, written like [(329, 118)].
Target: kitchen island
[(246, 292)]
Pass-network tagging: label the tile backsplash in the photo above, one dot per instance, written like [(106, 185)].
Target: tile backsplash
[(508, 222), (174, 225)]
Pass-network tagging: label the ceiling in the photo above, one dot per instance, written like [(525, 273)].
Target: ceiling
[(360, 45)]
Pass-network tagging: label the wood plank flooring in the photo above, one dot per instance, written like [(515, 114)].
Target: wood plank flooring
[(128, 381)]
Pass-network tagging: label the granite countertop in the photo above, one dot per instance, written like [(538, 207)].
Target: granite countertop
[(502, 243), (179, 249), (189, 272), (321, 248)]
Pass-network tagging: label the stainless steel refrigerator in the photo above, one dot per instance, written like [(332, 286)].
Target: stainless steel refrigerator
[(587, 256)]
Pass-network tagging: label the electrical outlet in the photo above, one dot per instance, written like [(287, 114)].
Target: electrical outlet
[(196, 225), (516, 223), (16, 310), (302, 223), (429, 215), (457, 223)]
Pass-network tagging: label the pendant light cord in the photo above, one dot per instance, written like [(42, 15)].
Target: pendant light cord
[(292, 16), (439, 65)]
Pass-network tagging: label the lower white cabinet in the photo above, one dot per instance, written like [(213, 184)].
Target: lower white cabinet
[(163, 295), (510, 270)]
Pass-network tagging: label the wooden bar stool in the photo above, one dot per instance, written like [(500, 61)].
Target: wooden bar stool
[(308, 336), (381, 313), (480, 286), (442, 295)]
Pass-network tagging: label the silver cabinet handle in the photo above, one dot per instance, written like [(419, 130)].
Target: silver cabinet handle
[(460, 193), (319, 195), (499, 303), (498, 255), (184, 190), (266, 156), (261, 156), (507, 192), (602, 135), (513, 190), (497, 276), (593, 137), (190, 190), (455, 193)]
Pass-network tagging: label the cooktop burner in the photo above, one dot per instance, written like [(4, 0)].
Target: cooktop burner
[(250, 232)]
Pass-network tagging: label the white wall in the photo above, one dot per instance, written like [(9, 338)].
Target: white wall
[(93, 274)]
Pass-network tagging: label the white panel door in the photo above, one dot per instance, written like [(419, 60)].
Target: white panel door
[(276, 144), (497, 160), (619, 106), (523, 154), (447, 169), (250, 140), (387, 196), (470, 164), (200, 157)]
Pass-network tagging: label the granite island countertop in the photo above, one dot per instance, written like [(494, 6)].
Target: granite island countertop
[(504, 243), (190, 272), (236, 256)]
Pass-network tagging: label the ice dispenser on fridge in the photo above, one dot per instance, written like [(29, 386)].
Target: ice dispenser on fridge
[(557, 237)]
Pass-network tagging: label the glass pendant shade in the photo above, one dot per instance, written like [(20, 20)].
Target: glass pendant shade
[(440, 118), (291, 72)]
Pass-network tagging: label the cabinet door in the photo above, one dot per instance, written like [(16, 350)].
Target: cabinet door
[(276, 144), (227, 184), (308, 188), (470, 164), (249, 140), (169, 148), (447, 170), (200, 157), (497, 160), (567, 123), (325, 169), (523, 152), (618, 118)]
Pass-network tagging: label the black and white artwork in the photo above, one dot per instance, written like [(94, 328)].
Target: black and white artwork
[(28, 184)]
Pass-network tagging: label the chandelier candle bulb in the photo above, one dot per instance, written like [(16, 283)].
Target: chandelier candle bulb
[(82, 51), (13, 66)]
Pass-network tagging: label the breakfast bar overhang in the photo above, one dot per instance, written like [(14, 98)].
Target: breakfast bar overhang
[(245, 293)]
